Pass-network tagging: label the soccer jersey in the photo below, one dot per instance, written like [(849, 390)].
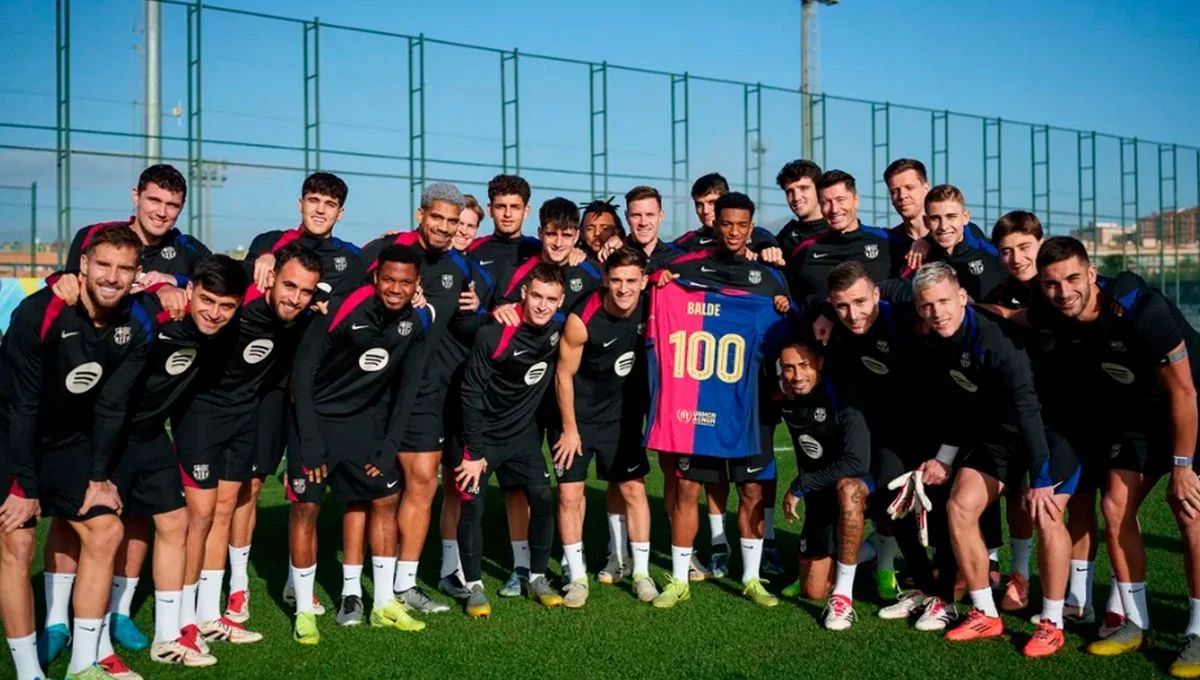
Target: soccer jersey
[(255, 357), (175, 360), (509, 370), (1108, 368), (579, 282), (499, 254), (795, 232), (175, 254), (338, 258), (65, 380), (811, 261), (829, 436), (705, 346), (705, 238), (444, 276), (976, 262), (983, 386), (615, 349), (359, 358)]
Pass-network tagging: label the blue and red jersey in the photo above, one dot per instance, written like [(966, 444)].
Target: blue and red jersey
[(706, 345)]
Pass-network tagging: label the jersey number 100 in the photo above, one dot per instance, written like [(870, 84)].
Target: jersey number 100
[(699, 354)]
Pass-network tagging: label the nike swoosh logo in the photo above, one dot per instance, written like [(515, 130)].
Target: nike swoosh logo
[(751, 471), (90, 630), (164, 336), (708, 270), (520, 352), (817, 256), (67, 334), (610, 342), (547, 475), (484, 263), (393, 484), (704, 241), (1081, 571), (632, 468), (359, 326)]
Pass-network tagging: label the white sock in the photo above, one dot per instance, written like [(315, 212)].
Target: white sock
[(885, 551), (641, 558), (982, 599), (451, 562), (291, 583), (1114, 601), (993, 554), (1079, 585), (752, 549), (85, 641), (1133, 598), (352, 580), (25, 659), (1021, 549), (122, 594), (187, 606), (520, 554), (471, 584), (104, 647), (58, 598), (1052, 611), (574, 553), (383, 569), (716, 528), (618, 538), (681, 560), (1193, 627), (208, 597), (167, 604), (303, 580), (769, 524), (406, 575), (239, 568), (844, 583)]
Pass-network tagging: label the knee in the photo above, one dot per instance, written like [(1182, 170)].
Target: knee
[(632, 491), (540, 499), (18, 547), (171, 527), (687, 491), (570, 496), (104, 532), (420, 485), (304, 513), (851, 495)]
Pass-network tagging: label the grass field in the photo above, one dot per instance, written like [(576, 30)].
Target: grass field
[(717, 634)]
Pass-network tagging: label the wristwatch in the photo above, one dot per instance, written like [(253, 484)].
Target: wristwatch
[(1182, 461)]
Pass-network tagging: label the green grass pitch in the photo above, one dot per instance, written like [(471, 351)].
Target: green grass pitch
[(717, 634)]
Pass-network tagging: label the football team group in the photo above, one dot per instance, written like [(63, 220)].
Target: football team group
[(924, 372)]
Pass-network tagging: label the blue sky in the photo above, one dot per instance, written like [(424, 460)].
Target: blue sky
[(1121, 68)]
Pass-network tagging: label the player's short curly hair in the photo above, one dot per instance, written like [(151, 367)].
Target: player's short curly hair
[(559, 213), (165, 176), (326, 184), (733, 201), (508, 185), (797, 169)]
